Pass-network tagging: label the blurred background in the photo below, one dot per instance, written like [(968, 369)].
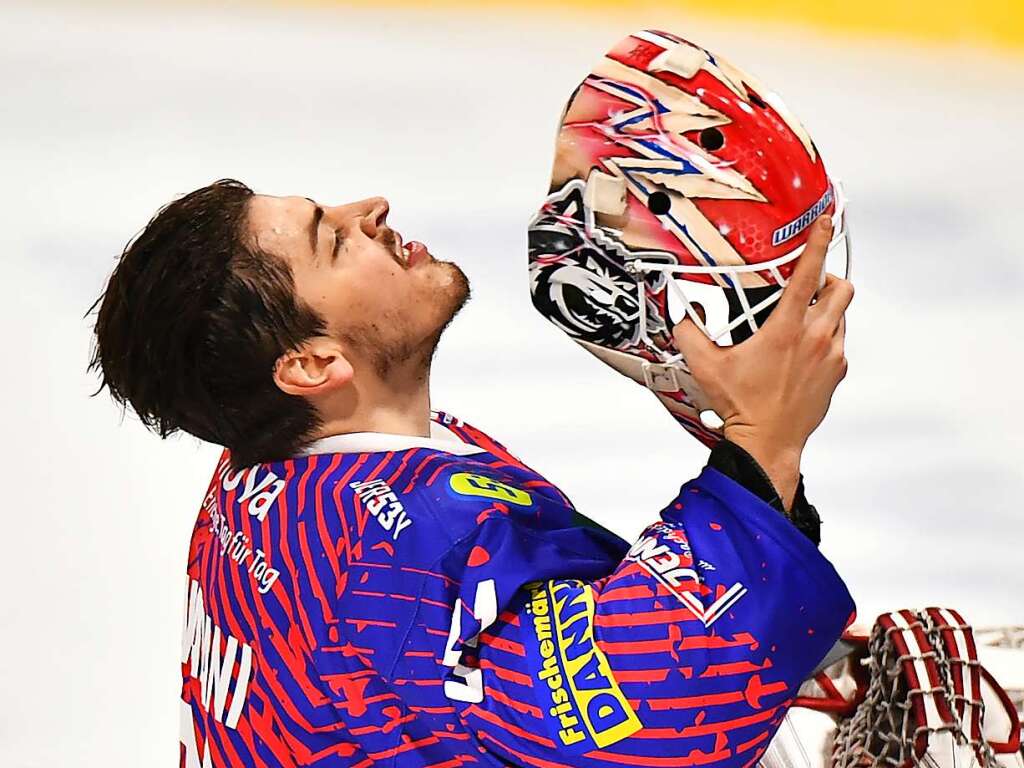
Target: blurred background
[(108, 111)]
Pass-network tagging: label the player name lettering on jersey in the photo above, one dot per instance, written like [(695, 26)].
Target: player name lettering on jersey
[(259, 491), (382, 502), (220, 662)]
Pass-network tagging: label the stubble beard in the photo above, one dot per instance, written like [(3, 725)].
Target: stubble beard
[(411, 358)]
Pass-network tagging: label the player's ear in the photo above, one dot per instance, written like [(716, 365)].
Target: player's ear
[(317, 367)]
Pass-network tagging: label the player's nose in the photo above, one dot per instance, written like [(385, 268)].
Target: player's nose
[(369, 214), (376, 215)]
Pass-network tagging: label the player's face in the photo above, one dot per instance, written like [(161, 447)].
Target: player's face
[(389, 299)]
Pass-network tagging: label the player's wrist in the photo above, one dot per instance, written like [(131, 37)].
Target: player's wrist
[(779, 460)]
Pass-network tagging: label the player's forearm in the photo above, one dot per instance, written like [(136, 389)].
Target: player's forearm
[(780, 462), (739, 464)]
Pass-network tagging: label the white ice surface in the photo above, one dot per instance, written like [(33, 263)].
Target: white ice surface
[(105, 114)]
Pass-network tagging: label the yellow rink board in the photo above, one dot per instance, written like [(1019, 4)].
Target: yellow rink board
[(993, 23)]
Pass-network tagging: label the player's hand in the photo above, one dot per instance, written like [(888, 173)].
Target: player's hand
[(773, 390)]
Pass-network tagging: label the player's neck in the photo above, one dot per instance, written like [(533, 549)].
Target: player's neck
[(398, 404)]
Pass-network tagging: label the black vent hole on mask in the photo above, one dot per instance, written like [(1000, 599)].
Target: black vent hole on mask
[(712, 139), (756, 100), (659, 203)]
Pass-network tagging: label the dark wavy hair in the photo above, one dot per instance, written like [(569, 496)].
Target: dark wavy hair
[(191, 323)]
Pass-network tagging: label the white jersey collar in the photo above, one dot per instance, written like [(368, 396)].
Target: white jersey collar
[(441, 439)]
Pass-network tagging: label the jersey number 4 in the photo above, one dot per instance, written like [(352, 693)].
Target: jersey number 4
[(468, 684)]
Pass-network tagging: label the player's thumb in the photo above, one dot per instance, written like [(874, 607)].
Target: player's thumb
[(692, 343)]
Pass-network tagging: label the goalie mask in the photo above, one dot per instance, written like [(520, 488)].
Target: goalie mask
[(681, 187)]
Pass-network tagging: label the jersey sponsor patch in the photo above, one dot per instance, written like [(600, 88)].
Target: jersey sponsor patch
[(237, 546), (582, 704), (383, 504), (471, 484), (664, 552), (257, 487)]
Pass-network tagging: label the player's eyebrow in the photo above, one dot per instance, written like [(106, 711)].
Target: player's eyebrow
[(314, 226)]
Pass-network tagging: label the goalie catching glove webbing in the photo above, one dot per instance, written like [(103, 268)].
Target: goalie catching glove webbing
[(913, 694)]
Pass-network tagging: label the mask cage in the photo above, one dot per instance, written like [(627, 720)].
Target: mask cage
[(731, 312)]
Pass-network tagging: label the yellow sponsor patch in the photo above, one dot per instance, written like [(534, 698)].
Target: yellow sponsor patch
[(584, 707), (469, 484)]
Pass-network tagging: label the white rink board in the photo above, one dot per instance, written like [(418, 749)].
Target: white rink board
[(108, 113)]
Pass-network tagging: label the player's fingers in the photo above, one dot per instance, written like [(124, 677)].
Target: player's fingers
[(838, 352), (828, 315), (806, 278), (692, 343), (840, 332), (834, 297)]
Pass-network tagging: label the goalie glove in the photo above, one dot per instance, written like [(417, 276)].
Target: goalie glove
[(914, 693)]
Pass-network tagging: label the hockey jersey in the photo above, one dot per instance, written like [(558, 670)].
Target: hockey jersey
[(385, 600)]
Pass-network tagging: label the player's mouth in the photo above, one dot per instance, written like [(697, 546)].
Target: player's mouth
[(415, 253), (410, 254)]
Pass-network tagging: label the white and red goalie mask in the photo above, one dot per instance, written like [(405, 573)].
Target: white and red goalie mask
[(682, 186)]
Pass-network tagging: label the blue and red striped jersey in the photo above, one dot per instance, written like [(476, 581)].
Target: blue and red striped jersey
[(386, 600)]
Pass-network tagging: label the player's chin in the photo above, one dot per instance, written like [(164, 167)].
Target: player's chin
[(448, 295), (450, 291), (450, 284)]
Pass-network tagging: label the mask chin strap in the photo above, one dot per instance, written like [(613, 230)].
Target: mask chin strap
[(667, 380), (669, 376), (663, 377)]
